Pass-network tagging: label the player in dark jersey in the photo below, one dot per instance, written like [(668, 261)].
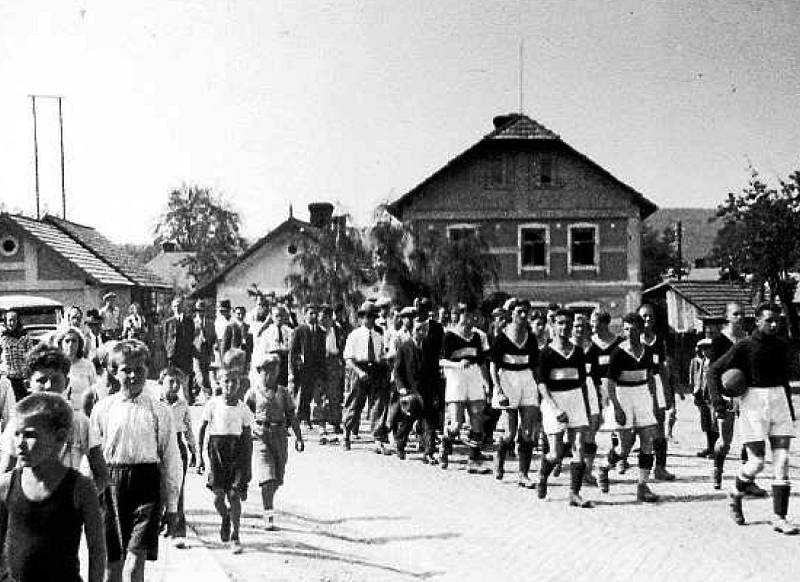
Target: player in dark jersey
[(463, 361), (665, 396), (598, 355), (515, 357), (630, 372), (765, 411), (565, 407)]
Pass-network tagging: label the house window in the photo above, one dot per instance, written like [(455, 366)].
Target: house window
[(583, 247), (497, 171), (460, 232), (533, 243), (9, 246), (543, 170)]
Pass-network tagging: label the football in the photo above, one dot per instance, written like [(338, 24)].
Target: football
[(734, 383)]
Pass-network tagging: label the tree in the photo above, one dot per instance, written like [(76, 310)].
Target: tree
[(334, 263), (761, 237), (659, 255), (199, 220)]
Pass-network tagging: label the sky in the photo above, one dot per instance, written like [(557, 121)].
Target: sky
[(274, 104)]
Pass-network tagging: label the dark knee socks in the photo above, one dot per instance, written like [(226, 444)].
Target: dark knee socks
[(660, 451), (780, 499)]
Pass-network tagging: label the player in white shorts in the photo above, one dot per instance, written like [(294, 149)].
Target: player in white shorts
[(765, 411), (630, 372), (463, 361), (515, 357), (565, 406)]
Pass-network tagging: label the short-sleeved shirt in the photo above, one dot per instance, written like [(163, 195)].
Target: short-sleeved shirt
[(508, 355), (75, 448), (356, 347), (562, 372), (456, 347), (626, 370), (224, 419)]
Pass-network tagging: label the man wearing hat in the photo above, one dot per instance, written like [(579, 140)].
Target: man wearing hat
[(363, 354), (110, 314), (698, 368), (307, 364)]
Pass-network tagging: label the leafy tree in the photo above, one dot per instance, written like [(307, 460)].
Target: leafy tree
[(761, 237), (335, 264), (659, 255), (199, 220), (143, 254)]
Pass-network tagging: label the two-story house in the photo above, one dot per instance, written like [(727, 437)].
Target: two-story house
[(562, 228)]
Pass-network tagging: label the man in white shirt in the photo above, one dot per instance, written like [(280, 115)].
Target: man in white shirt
[(367, 379)]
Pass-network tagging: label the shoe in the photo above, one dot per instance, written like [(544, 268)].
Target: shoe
[(754, 491), (661, 474), (589, 479), (323, 439), (429, 459), (269, 520), (401, 454), (716, 476), (622, 466), (380, 449), (644, 495), (735, 508), (525, 482), (557, 469), (337, 429), (225, 529), (575, 500), (179, 543), (473, 467), (602, 479), (780, 525), (235, 546), (346, 444)]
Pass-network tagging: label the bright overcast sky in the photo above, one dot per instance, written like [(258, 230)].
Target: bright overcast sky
[(273, 103)]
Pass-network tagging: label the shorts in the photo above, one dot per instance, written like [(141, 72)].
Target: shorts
[(637, 404), (270, 452), (463, 385), (520, 388), (570, 401), (132, 510), (764, 412), (226, 470)]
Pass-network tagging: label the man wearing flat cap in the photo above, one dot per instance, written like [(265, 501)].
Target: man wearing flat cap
[(366, 377)]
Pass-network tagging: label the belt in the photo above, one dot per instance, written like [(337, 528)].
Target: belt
[(269, 424)]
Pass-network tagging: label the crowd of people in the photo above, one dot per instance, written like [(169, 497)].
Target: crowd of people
[(89, 443)]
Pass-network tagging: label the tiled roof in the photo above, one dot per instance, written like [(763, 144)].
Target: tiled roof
[(711, 297), (109, 252), (517, 126), (71, 250)]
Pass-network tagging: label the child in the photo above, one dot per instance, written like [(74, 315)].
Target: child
[(228, 449), (47, 370), (172, 381), (273, 408), (45, 503)]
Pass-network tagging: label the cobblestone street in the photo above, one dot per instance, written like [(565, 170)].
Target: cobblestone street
[(360, 516)]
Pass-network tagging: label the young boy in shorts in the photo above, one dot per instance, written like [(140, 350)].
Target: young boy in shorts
[(229, 448), (273, 409), (47, 504)]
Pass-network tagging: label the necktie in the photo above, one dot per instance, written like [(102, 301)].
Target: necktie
[(280, 336), (370, 348)]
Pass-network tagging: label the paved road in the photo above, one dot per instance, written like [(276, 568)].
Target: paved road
[(360, 516)]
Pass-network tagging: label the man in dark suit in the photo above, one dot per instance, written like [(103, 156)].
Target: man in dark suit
[(431, 386), (205, 339), (407, 403), (179, 343), (307, 367)]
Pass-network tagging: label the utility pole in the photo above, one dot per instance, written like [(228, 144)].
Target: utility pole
[(36, 153), (679, 234), (35, 156), (61, 139)]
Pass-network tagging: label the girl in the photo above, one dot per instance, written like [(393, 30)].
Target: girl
[(273, 409), (229, 450), (82, 375)]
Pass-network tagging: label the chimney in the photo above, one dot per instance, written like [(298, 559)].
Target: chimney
[(503, 120), (320, 214)]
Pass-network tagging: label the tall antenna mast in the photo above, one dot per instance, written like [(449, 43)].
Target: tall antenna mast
[(35, 156), (36, 153), (521, 76), (61, 137)]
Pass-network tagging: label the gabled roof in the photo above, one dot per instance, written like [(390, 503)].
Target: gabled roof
[(109, 252), (71, 250), (291, 224), (710, 297), (516, 127)]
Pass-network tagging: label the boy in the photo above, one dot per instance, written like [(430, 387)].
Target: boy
[(273, 409), (47, 370), (173, 382), (46, 504), (137, 437), (229, 448)]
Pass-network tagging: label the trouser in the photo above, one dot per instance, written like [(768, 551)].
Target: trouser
[(202, 377), (180, 518), (308, 386), (373, 388), (328, 398), (185, 367), (707, 423)]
